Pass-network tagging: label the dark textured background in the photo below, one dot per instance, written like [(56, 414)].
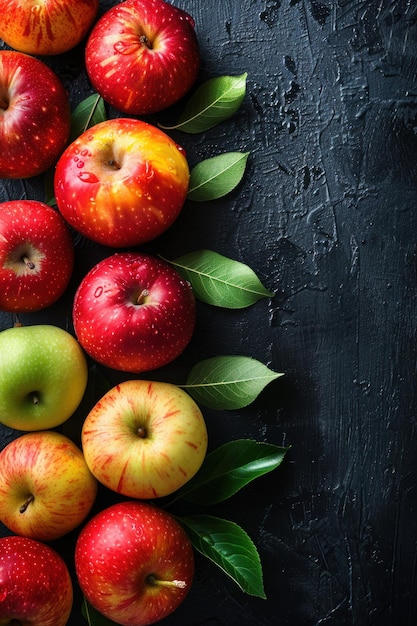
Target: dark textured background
[(326, 216)]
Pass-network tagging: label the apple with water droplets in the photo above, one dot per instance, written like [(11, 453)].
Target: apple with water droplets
[(122, 182), (144, 439), (35, 584), (134, 563), (46, 27), (36, 255), (46, 487), (35, 117), (142, 56), (134, 312)]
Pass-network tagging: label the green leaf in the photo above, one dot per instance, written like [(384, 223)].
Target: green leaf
[(227, 545), (229, 468), (220, 281), (93, 617), (87, 113), (228, 382), (213, 102), (215, 177)]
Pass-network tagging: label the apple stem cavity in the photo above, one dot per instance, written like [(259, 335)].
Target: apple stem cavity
[(153, 580), (25, 505)]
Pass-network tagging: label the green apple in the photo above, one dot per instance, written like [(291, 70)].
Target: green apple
[(46, 488), (144, 439), (43, 376)]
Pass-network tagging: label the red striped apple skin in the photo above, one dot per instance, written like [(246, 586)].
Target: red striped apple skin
[(46, 28), (144, 439)]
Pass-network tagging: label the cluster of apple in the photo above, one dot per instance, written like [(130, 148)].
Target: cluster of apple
[(121, 183)]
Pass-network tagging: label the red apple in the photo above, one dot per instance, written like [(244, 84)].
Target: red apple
[(46, 488), (35, 584), (35, 118), (36, 255), (134, 312), (47, 27), (134, 563), (142, 56), (144, 439), (121, 183)]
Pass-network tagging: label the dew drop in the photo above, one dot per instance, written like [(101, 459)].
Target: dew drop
[(88, 177), (125, 47)]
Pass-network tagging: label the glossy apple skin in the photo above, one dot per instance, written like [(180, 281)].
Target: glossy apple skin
[(43, 376), (144, 439), (35, 117), (35, 584), (121, 183), (133, 312), (120, 548), (46, 28), (142, 56), (36, 255), (45, 473)]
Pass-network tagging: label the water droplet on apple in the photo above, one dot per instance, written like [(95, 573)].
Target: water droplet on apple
[(149, 171), (126, 47), (181, 149), (88, 177)]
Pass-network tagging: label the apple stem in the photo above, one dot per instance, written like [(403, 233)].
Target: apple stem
[(179, 584), (141, 297), (3, 104), (142, 432), (25, 505), (145, 41), (28, 263)]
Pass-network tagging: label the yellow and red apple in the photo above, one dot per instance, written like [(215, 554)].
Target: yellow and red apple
[(46, 27), (46, 487), (121, 183), (144, 439)]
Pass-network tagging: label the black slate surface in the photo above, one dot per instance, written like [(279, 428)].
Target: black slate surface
[(326, 215)]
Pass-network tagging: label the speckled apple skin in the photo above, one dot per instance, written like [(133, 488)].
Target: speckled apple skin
[(35, 125), (122, 334), (136, 77), (119, 548), (34, 230), (35, 584), (121, 183)]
